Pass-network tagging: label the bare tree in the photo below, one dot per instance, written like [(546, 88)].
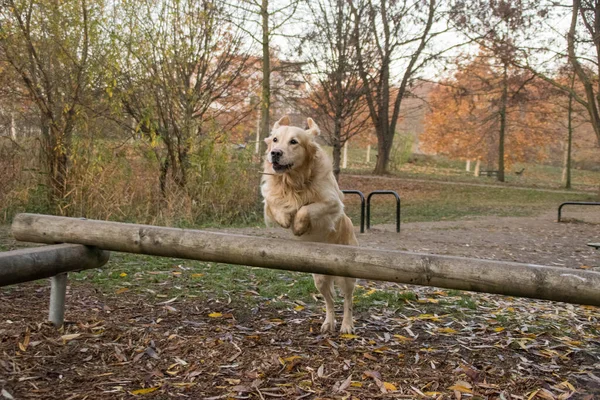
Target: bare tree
[(183, 58), (581, 51), (58, 68), (391, 36), (337, 99), (270, 17), (587, 12)]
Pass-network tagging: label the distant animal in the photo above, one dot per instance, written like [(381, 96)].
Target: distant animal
[(300, 192), (519, 173)]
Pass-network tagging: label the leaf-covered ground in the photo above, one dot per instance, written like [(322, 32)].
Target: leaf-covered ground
[(440, 345), (161, 328)]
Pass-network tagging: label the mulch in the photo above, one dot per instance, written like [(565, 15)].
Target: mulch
[(116, 346)]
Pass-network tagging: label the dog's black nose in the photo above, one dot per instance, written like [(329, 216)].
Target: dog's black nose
[(275, 154)]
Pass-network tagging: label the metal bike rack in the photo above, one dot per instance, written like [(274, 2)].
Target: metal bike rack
[(397, 207), (574, 203), (362, 207)]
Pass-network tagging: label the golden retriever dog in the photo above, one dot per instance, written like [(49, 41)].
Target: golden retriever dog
[(300, 192)]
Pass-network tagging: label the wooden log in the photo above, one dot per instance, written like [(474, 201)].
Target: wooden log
[(507, 278), (44, 262)]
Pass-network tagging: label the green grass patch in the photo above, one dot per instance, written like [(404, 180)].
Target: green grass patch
[(439, 202)]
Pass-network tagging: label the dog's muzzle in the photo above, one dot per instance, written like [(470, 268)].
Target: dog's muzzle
[(276, 156)]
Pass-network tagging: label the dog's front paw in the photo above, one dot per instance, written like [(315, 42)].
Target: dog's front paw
[(301, 222), (284, 219)]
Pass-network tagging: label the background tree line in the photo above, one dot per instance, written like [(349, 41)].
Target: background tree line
[(100, 96)]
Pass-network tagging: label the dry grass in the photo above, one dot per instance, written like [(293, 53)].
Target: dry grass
[(122, 184)]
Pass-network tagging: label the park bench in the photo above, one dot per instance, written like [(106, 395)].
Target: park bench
[(488, 173)]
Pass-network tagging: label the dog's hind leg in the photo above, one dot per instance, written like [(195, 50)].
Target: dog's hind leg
[(324, 284), (346, 285)]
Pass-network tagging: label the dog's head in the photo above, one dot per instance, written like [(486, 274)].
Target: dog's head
[(289, 147)]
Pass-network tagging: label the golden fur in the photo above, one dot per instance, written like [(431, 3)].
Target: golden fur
[(300, 192)]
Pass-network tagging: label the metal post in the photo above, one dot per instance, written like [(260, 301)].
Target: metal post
[(397, 207), (575, 203), (57, 299), (362, 207)]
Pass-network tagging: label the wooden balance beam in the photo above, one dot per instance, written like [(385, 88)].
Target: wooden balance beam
[(489, 276), (53, 262)]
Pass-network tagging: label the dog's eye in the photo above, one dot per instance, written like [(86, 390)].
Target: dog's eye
[(293, 141), (275, 139)]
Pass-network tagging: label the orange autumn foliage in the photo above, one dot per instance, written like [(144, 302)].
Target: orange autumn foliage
[(464, 119)]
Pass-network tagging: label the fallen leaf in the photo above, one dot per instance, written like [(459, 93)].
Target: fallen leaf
[(72, 336), (168, 301), (546, 394), (197, 275), (215, 315), (123, 274), (389, 386), (349, 336), (145, 390), (122, 290), (372, 374), (446, 330), (6, 395), (344, 385), (566, 385), (462, 386), (321, 371)]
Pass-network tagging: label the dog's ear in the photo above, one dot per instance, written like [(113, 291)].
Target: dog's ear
[(313, 129), (283, 121)]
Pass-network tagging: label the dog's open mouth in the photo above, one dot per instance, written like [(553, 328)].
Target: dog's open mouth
[(280, 167)]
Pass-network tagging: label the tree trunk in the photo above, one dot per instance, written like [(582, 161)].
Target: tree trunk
[(337, 155), (164, 171), (55, 148), (337, 144), (265, 103), (384, 148), (503, 103), (569, 142)]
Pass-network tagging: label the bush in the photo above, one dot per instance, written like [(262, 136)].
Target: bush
[(112, 180)]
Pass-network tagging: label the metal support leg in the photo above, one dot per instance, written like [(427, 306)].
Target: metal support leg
[(57, 299)]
